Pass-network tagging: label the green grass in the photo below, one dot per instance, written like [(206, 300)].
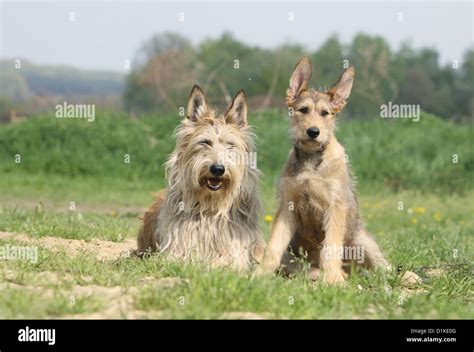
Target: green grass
[(19, 303), (67, 161), (72, 225), (441, 238), (58, 191), (212, 294)]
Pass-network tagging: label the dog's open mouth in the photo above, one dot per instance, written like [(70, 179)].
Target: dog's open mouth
[(214, 183)]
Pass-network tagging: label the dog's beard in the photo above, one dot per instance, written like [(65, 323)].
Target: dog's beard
[(217, 202), (309, 145)]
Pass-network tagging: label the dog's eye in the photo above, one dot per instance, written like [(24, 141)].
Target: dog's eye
[(206, 142), (324, 113), (303, 110)]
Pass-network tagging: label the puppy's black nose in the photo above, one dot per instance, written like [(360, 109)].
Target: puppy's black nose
[(217, 169), (312, 132)]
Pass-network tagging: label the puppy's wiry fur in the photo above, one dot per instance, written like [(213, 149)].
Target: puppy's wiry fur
[(203, 217), (318, 213)]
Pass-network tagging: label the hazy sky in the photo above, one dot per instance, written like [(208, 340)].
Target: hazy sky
[(104, 34)]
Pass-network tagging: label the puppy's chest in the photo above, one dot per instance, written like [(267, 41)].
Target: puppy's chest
[(311, 191)]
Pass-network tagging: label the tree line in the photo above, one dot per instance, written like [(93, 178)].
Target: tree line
[(167, 65)]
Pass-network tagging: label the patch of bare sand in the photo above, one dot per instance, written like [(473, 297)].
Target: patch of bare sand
[(102, 250), (243, 316), (163, 283), (117, 302), (41, 278)]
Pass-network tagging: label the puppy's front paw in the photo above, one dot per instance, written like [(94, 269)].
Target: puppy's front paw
[(334, 277), (314, 274), (263, 270)]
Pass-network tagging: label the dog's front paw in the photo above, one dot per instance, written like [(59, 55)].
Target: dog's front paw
[(314, 274), (334, 277), (263, 270)]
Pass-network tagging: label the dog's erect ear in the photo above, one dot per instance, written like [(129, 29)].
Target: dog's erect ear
[(342, 89), (197, 105), (237, 110), (299, 79)]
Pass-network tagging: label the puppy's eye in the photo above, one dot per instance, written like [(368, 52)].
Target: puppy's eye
[(303, 110), (324, 113), (206, 142)]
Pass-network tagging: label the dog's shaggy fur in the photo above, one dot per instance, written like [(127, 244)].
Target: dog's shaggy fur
[(206, 216), (318, 210)]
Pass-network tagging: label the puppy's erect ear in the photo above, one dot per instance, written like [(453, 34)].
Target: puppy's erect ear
[(237, 110), (299, 79), (197, 105), (342, 89)]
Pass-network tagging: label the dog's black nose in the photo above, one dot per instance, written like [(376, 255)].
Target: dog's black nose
[(312, 132), (217, 169)]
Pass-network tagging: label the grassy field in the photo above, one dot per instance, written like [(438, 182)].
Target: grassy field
[(74, 199)]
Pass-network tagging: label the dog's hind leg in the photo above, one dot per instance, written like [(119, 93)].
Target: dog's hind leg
[(146, 240), (373, 256)]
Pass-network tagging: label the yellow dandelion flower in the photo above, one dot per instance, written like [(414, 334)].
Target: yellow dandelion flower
[(370, 216), (437, 216), (414, 221), (268, 218), (419, 210)]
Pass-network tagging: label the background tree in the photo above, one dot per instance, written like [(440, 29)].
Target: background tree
[(167, 65), (164, 70)]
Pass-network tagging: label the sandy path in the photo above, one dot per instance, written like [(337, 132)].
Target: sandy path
[(102, 250)]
